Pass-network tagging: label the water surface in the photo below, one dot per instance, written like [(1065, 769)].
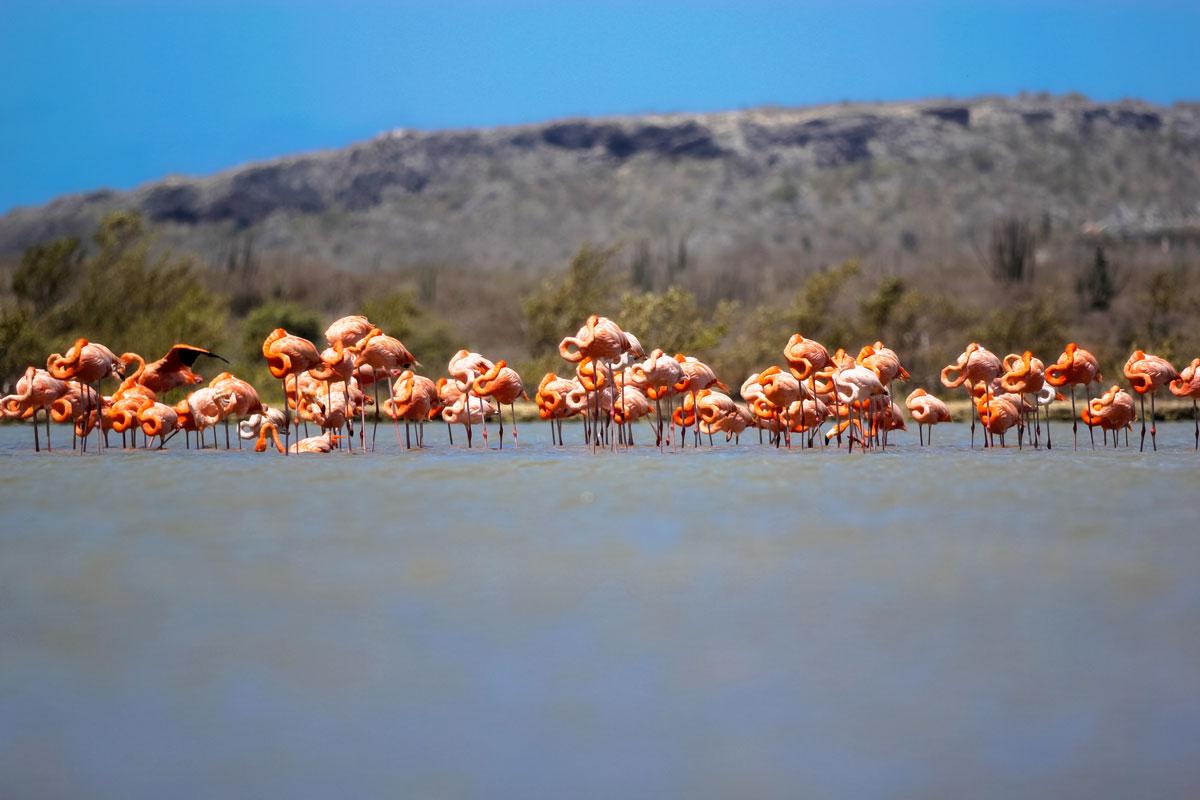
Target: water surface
[(743, 622)]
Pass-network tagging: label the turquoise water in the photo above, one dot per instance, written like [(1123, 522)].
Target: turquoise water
[(729, 622)]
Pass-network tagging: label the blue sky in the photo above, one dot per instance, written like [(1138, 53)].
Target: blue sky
[(112, 94)]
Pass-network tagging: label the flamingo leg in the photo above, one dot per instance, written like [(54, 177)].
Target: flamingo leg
[(1074, 418), (100, 442), (1087, 388), (1195, 419), (1153, 427), (1049, 444), (1142, 397), (1021, 424), (287, 428), (375, 424), (512, 407), (37, 444), (468, 420), (974, 413)]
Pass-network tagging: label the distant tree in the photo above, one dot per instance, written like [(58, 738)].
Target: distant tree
[(426, 335), (812, 312), (275, 314), (1098, 283), (21, 344), (132, 299), (1010, 252), (877, 309), (670, 320), (562, 304), (641, 271), (47, 272), (1163, 299)]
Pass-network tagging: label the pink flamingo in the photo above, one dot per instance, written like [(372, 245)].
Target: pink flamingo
[(36, 391), (975, 365), (86, 362), (289, 355), (1075, 367), (1146, 373), (1188, 385), (926, 410)]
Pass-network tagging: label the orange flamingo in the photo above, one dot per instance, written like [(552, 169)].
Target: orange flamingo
[(656, 377), (1075, 367), (926, 410), (1146, 373), (86, 362), (387, 357), (975, 365), (157, 419), (78, 405), (1188, 385), (1000, 412), (312, 444), (1026, 374), (696, 376), (557, 399), (503, 385), (1112, 411), (174, 369), (289, 355), (413, 398), (601, 340)]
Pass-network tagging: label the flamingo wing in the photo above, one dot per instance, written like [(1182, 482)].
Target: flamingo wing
[(186, 355)]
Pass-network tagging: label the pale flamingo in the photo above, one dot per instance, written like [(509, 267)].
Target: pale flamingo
[(238, 397), (464, 367), (348, 331), (36, 391), (859, 389), (312, 444)]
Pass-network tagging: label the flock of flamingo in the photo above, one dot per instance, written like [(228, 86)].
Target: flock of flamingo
[(834, 398)]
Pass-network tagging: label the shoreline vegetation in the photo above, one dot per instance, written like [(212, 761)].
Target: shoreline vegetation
[(122, 288)]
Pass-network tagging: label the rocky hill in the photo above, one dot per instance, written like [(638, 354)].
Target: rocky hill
[(901, 183)]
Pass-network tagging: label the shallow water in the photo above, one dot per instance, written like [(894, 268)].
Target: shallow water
[(734, 621)]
